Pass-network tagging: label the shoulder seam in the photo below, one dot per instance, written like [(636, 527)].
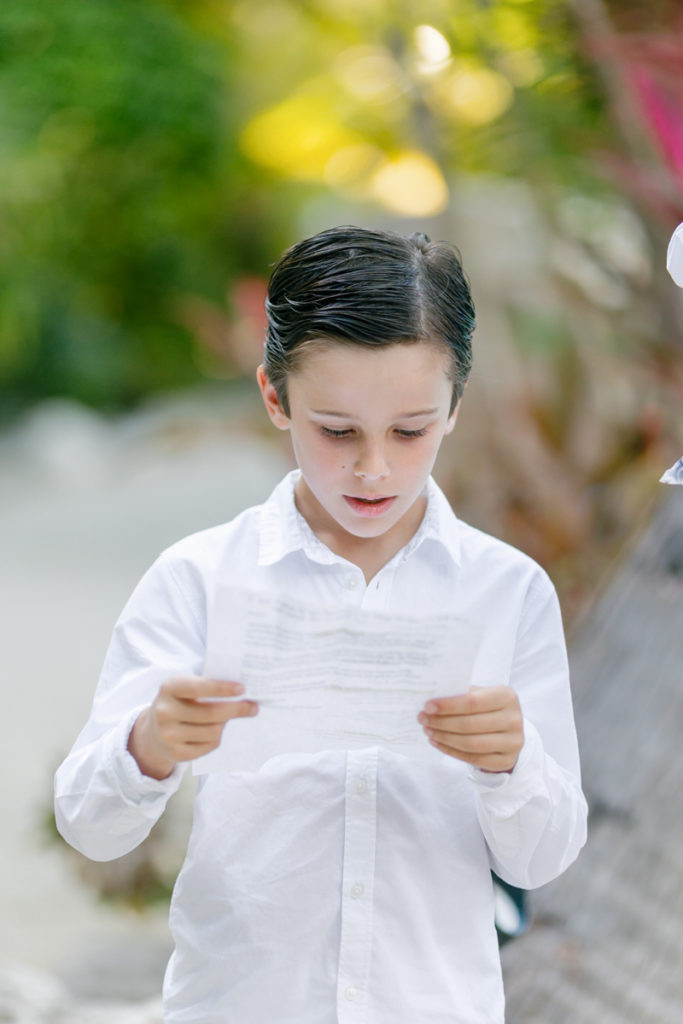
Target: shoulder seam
[(543, 589), (167, 560)]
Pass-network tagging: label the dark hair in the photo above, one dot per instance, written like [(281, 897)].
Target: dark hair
[(367, 288)]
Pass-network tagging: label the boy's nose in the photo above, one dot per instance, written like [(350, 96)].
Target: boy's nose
[(371, 464)]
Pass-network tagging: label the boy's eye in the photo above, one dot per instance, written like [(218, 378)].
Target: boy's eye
[(407, 434), (330, 432), (412, 433)]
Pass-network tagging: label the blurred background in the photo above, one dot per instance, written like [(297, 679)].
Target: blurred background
[(156, 157)]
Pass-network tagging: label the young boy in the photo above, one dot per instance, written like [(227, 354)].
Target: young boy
[(344, 885)]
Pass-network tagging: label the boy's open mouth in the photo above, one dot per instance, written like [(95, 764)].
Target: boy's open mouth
[(369, 506)]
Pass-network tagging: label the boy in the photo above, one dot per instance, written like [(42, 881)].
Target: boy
[(344, 885)]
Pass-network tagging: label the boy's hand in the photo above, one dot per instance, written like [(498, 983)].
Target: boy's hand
[(483, 727), (183, 723)]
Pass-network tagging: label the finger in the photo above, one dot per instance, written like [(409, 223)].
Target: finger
[(494, 763), (190, 735), (189, 712), (181, 737), (464, 725), (478, 700), (237, 709), (198, 688), (484, 743)]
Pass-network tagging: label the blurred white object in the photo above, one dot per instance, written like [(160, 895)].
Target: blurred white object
[(674, 258), (673, 475)]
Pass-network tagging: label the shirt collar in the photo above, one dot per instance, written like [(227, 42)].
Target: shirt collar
[(440, 525), (284, 530)]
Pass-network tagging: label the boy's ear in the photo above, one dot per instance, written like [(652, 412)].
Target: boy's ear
[(450, 422), (272, 403)]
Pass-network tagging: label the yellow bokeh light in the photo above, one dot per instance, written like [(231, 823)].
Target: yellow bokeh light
[(474, 94), (369, 73), (516, 30), (433, 47), (298, 137), (410, 184), (523, 67), (351, 165)]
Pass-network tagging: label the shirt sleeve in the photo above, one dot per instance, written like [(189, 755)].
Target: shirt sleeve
[(534, 818), (104, 805)]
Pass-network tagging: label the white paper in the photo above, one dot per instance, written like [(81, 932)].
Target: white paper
[(329, 679), (673, 475), (674, 256)]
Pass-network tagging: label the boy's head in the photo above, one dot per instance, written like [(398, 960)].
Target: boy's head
[(370, 288)]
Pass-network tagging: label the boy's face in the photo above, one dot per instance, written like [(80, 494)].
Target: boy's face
[(366, 425)]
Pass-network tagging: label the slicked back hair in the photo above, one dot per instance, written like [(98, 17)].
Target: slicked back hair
[(373, 288)]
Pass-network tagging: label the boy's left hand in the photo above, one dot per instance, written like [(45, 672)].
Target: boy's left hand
[(483, 727)]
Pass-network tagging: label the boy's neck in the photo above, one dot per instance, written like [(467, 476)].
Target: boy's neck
[(370, 554)]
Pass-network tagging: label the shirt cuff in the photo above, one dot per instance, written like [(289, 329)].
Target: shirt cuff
[(506, 792), (136, 789)]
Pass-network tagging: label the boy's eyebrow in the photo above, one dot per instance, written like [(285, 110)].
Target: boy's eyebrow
[(401, 416)]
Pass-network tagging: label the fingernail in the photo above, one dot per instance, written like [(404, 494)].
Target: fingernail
[(422, 718), (431, 708), (254, 709)]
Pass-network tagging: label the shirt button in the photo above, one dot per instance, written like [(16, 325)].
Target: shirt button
[(357, 890), (361, 786), (351, 582), (351, 993)]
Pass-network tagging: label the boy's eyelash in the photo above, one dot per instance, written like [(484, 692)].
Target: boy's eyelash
[(413, 433), (330, 432)]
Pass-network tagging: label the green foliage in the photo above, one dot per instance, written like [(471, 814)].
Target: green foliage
[(115, 152)]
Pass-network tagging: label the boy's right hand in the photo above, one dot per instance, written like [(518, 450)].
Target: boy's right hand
[(183, 722)]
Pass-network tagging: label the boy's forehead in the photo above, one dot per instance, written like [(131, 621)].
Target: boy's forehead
[(399, 357), (337, 376)]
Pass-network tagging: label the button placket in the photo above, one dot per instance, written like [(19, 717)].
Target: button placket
[(376, 596), (357, 885)]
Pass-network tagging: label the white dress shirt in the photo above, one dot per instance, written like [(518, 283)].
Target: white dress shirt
[(345, 886)]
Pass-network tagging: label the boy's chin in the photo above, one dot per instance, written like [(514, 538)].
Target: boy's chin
[(370, 527)]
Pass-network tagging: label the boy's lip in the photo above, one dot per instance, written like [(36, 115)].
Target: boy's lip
[(370, 504)]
